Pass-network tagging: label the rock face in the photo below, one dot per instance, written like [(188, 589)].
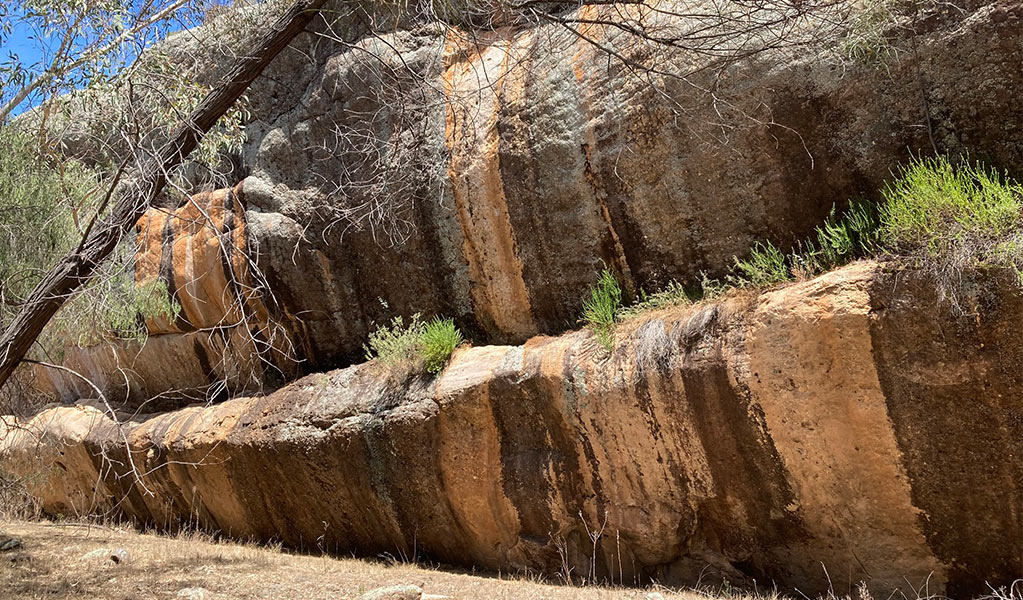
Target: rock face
[(495, 198), (501, 171), (844, 423), (221, 340), (839, 429), (516, 163)]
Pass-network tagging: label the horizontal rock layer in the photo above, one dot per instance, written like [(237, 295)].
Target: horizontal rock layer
[(846, 423)]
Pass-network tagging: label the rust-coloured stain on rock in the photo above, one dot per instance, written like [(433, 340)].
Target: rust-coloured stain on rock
[(788, 437)]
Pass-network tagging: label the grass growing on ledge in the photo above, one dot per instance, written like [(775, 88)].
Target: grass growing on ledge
[(935, 206), (674, 294), (765, 266), (439, 339), (836, 242), (430, 342), (600, 310), (951, 219), (395, 342)]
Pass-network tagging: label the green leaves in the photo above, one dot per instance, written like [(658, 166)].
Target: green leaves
[(37, 210), (952, 219), (935, 205), (44, 205), (431, 342), (765, 266), (395, 342)]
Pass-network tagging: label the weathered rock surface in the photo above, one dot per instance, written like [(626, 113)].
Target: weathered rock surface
[(521, 160), (513, 165), (845, 423), (222, 339)]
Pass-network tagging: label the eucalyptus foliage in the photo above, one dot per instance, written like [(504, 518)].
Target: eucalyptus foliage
[(79, 43)]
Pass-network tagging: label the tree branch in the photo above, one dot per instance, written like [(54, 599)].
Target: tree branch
[(77, 268)]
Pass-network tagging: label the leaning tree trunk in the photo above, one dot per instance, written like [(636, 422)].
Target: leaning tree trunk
[(75, 269)]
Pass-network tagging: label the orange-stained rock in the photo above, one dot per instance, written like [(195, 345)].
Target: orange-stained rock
[(835, 430), (169, 370), (200, 252), (495, 174), (223, 340), (516, 163)]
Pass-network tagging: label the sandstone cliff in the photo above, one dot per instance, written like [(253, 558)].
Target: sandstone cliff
[(221, 340), (839, 429), (520, 161), (501, 171), (843, 423)]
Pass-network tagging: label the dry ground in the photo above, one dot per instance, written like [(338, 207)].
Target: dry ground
[(193, 567)]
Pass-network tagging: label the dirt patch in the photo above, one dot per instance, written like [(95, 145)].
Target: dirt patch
[(73, 561)]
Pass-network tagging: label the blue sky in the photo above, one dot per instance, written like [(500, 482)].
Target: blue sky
[(24, 42), (21, 42)]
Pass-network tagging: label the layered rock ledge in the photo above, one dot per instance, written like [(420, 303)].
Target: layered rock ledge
[(840, 429)]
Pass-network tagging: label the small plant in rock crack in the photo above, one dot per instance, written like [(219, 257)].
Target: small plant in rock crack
[(600, 310), (430, 343)]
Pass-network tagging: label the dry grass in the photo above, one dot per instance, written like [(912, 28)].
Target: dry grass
[(51, 565)]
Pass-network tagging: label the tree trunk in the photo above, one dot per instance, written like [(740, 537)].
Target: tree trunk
[(75, 269)]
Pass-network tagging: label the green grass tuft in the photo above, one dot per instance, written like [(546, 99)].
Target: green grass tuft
[(674, 294), (952, 220), (600, 310), (949, 219), (935, 207), (838, 241), (765, 266), (427, 342), (439, 339)]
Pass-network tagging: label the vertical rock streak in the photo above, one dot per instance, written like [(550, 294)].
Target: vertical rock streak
[(473, 83), (223, 334)]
